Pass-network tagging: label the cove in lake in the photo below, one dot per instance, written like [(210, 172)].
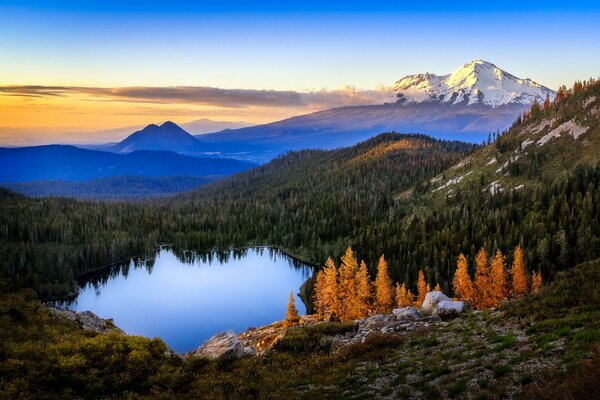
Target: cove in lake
[(186, 297)]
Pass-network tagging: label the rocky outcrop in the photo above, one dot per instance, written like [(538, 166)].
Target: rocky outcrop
[(87, 320), (449, 309), (406, 313), (224, 346), (432, 299)]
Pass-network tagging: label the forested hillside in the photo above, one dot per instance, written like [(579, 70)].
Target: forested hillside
[(418, 201)]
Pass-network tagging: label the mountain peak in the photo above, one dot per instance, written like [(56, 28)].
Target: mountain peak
[(476, 82), (168, 136)]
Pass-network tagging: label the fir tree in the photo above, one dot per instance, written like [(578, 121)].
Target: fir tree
[(384, 295)]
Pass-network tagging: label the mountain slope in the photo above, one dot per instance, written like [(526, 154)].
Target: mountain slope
[(477, 99), (168, 137), (71, 163), (477, 82)]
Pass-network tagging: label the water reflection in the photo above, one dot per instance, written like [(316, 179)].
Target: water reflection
[(185, 297)]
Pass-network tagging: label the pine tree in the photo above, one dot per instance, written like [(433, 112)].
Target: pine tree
[(403, 296), (291, 316), (482, 282), (499, 286), (463, 286), (384, 295), (520, 280), (364, 289), (421, 289), (347, 292), (536, 281)]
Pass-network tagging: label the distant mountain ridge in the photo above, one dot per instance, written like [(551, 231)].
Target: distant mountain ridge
[(477, 82), (65, 162)]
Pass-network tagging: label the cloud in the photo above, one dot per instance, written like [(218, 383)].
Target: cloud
[(209, 96)]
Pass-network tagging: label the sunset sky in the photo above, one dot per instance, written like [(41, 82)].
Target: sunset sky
[(69, 68)]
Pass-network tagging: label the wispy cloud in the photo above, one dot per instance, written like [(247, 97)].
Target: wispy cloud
[(210, 96)]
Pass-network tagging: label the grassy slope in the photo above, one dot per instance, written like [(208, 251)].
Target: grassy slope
[(511, 353)]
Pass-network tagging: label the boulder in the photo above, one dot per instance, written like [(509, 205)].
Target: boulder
[(88, 321), (449, 309), (406, 313), (224, 346), (432, 299)]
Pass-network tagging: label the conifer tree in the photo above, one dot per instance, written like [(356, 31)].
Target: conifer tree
[(403, 297), (329, 295), (291, 316), (347, 292), (499, 286), (437, 288), (421, 289), (364, 289), (536, 281), (384, 295), (318, 296), (520, 280), (547, 102), (483, 298), (463, 286)]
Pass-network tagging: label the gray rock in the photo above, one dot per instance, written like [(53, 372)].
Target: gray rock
[(223, 347), (432, 299), (88, 321), (407, 313), (449, 309)]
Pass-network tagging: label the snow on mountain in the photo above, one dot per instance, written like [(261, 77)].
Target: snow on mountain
[(477, 82)]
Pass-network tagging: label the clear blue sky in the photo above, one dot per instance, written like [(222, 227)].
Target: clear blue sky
[(272, 45)]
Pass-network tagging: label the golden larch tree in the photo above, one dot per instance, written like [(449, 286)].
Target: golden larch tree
[(318, 292), (482, 283), (347, 293), (403, 296), (421, 289), (364, 289), (499, 284), (519, 278), (384, 294), (329, 297), (437, 288), (536, 281), (463, 286), (291, 315)]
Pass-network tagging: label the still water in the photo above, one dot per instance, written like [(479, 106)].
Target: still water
[(186, 297)]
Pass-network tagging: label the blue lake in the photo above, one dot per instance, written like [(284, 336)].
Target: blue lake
[(186, 297)]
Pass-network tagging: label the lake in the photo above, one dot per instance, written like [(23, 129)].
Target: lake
[(187, 297)]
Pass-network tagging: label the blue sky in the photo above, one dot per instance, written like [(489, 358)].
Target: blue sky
[(262, 46), (272, 45)]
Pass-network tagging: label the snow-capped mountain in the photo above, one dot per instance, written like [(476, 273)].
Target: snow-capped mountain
[(477, 82)]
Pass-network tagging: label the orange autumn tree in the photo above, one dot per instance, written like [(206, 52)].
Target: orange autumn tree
[(437, 288), (364, 291), (519, 278), (326, 291), (536, 281), (291, 316), (498, 282), (404, 297), (421, 289), (483, 290), (347, 293), (463, 286), (384, 295)]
